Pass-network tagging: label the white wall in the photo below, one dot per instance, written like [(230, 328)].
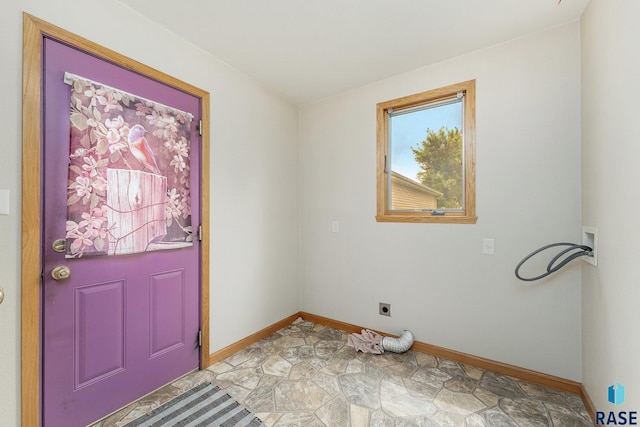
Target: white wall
[(253, 175), (610, 198), (528, 194)]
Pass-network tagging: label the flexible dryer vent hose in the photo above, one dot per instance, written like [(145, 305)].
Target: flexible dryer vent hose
[(398, 345)]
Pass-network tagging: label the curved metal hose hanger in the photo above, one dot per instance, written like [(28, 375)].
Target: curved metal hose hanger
[(584, 251)]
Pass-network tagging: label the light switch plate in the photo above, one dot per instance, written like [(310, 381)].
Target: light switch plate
[(488, 246), (4, 202)]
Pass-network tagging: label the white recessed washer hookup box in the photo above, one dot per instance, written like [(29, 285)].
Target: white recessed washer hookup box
[(590, 238)]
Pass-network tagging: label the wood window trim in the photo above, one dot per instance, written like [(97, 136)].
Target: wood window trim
[(468, 216)]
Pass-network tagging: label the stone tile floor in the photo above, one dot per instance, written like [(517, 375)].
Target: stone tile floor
[(306, 375)]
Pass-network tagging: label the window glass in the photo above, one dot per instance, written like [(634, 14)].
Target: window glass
[(426, 156), (426, 150)]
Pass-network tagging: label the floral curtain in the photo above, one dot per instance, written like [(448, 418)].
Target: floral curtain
[(128, 187)]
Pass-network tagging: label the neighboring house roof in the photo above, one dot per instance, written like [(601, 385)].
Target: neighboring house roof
[(415, 185), (409, 194)]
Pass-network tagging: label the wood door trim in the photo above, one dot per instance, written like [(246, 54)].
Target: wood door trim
[(34, 29)]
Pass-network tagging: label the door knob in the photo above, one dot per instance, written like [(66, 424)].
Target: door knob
[(61, 272), (1, 295)]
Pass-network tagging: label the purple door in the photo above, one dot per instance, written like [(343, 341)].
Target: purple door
[(120, 325)]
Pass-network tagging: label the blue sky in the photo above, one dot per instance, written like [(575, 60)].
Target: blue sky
[(410, 129)]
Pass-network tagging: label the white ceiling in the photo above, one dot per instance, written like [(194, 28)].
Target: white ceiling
[(307, 50)]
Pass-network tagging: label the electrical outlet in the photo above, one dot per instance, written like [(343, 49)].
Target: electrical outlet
[(488, 246), (384, 309)]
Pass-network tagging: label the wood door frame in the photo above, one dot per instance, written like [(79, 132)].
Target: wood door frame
[(34, 29)]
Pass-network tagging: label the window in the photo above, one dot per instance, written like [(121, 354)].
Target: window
[(426, 157)]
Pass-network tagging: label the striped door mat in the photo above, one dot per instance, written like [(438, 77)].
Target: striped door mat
[(202, 406)]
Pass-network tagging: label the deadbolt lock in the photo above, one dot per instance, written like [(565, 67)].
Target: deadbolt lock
[(59, 245), (61, 272)]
